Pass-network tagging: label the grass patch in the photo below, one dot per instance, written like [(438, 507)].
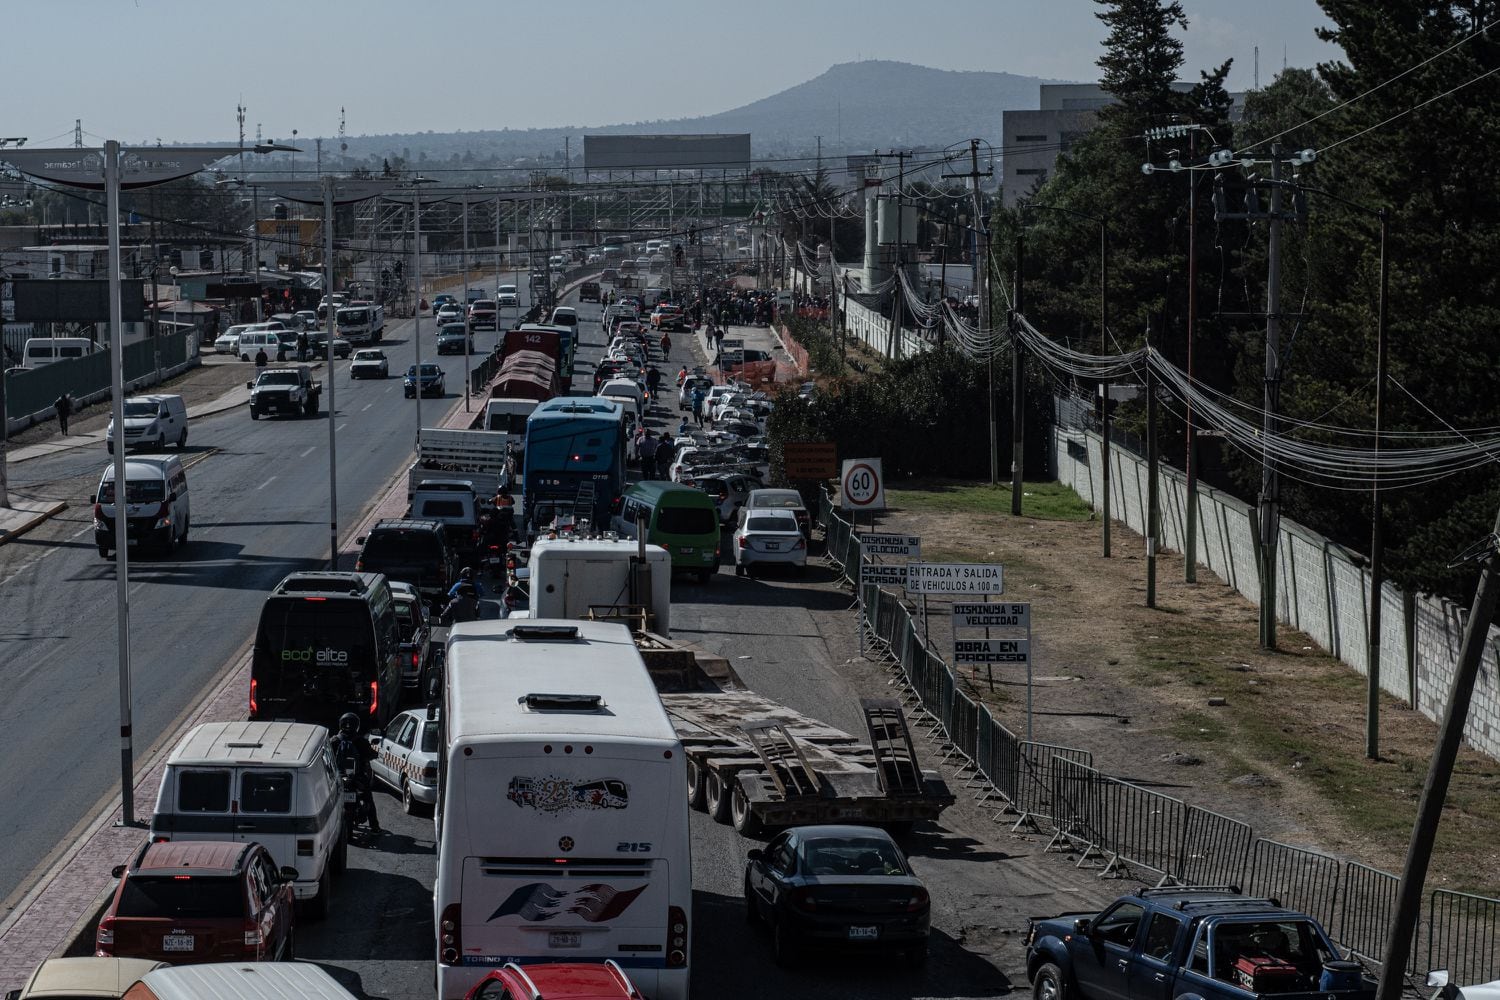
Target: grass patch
[(1044, 501)]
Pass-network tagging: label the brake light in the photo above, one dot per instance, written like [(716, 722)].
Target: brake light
[(917, 901), (315, 599), (800, 544), (104, 938), (254, 706), (374, 697), (98, 511), (677, 937), (450, 935), (743, 542), (359, 565), (415, 658)]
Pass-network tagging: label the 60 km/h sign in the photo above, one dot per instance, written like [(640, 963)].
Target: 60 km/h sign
[(861, 485)]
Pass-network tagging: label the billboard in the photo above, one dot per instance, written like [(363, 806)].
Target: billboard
[(727, 151), (76, 301)]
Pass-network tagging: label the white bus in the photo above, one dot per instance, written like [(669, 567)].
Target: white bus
[(361, 324), (562, 823)]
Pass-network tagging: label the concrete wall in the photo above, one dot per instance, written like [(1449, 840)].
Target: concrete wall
[(1323, 588)]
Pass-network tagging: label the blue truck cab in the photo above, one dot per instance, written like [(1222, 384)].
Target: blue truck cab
[(1188, 943)]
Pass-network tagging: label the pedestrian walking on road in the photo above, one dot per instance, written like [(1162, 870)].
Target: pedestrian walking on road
[(698, 406), (647, 451), (666, 346), (260, 358), (665, 453), (64, 408)]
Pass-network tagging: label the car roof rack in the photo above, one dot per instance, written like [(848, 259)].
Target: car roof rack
[(1166, 890)]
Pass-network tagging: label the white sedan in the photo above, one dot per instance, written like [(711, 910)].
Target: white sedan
[(768, 536), (369, 363), (406, 758)]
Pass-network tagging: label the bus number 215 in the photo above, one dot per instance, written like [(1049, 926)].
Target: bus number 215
[(633, 847)]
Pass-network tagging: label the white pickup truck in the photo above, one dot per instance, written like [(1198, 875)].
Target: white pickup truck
[(475, 457)]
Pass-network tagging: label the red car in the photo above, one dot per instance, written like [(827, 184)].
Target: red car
[(200, 901), (563, 981)]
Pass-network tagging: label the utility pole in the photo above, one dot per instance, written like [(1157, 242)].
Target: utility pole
[(1017, 381), (979, 262), (1439, 772), (1377, 519), (1270, 520), (1190, 458), (1153, 458), (833, 270), (330, 327), (894, 350), (1104, 455)]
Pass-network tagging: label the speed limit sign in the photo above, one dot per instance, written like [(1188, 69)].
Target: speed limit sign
[(861, 485)]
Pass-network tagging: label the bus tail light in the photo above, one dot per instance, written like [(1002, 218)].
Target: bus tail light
[(450, 935), (677, 937)]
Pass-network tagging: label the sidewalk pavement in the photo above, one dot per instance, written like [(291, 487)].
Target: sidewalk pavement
[(23, 515)]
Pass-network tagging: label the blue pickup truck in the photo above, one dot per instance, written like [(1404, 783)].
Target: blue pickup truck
[(1188, 943)]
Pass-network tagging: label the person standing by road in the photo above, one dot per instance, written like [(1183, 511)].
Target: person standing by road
[(647, 450), (64, 408), (698, 397), (665, 453)]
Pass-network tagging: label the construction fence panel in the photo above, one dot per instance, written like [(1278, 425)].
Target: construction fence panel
[(965, 727), (1077, 808), (1142, 828), (1366, 910), (1036, 766), (1463, 936), (1301, 879), (1215, 849), (1002, 764), (947, 693)]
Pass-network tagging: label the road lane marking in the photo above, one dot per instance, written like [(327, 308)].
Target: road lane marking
[(306, 451), (341, 426), (268, 482), (366, 407), (26, 566)]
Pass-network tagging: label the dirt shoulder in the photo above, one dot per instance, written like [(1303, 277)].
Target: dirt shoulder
[(1285, 749)]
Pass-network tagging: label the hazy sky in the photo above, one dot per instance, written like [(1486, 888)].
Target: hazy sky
[(137, 70)]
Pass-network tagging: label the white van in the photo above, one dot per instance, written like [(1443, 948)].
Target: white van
[(272, 782), (157, 511), (562, 819), (572, 576), (153, 421), (261, 338), (622, 389), (41, 351), (508, 415), (241, 980)]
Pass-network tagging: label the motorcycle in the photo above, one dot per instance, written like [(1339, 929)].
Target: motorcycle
[(356, 812)]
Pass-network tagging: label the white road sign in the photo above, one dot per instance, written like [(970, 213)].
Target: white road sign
[(955, 578), (732, 344), (909, 546), (975, 652), (886, 575), (862, 486), (992, 616)]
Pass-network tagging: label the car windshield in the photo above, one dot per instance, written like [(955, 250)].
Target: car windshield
[(851, 856), (368, 356), (779, 501), (687, 521), (428, 371), (429, 737), (388, 548), (184, 897), (279, 378), (133, 409)]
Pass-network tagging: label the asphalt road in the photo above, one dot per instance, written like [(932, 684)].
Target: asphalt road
[(259, 492)]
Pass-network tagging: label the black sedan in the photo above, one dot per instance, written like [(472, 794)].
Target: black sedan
[(431, 381), (839, 888)]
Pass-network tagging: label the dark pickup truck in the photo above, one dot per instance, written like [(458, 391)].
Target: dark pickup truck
[(1188, 943)]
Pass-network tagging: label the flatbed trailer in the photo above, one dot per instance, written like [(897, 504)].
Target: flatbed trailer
[(757, 764)]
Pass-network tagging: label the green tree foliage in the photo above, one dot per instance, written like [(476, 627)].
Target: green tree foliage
[(1141, 56)]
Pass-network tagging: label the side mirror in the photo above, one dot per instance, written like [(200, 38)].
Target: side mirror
[(289, 874), (755, 854), (1081, 926), (360, 540), (432, 711), (1437, 977), (118, 871), (250, 384)]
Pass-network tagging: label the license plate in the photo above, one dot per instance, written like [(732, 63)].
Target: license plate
[(177, 942), (686, 550), (564, 939), (863, 933), (772, 546)]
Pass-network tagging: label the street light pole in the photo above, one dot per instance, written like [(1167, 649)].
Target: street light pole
[(416, 320), (328, 278), (122, 485), (468, 330)]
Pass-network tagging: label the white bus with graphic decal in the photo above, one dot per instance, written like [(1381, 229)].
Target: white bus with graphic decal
[(562, 826)]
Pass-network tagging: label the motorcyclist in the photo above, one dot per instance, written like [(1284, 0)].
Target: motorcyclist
[(466, 579), (463, 608), (355, 753)]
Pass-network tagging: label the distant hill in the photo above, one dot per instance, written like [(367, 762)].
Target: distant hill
[(855, 107)]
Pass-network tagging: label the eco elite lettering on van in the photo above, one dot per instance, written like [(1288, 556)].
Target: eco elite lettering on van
[(309, 655)]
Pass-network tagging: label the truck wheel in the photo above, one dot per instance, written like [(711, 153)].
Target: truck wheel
[(317, 907), (104, 551), (254, 415), (1049, 984), (697, 798), (716, 797), (752, 909), (745, 822), (182, 440)]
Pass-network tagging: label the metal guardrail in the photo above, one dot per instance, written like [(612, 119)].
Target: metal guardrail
[(1122, 827)]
